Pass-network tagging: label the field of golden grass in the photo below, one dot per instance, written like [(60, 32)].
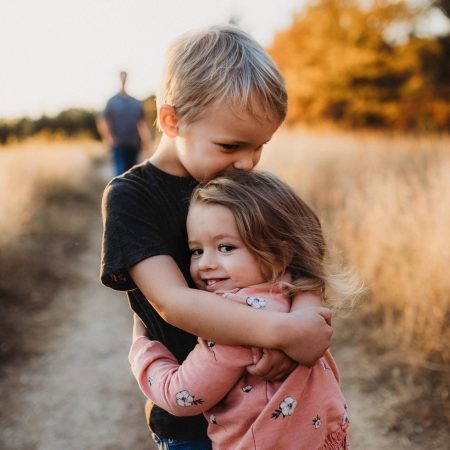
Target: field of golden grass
[(33, 170), (384, 202)]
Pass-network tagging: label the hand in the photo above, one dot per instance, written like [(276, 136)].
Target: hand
[(307, 334), (139, 328), (271, 365)]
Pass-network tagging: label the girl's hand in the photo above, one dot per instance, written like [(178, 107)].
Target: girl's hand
[(139, 328), (271, 365)]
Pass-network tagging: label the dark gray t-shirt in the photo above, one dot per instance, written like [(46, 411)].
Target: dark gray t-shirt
[(144, 213), (123, 113)]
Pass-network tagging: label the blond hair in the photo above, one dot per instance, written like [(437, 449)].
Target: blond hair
[(221, 63), (281, 230)]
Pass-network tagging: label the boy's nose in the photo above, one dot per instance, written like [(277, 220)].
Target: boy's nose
[(245, 163)]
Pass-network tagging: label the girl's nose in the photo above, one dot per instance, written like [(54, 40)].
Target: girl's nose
[(207, 262)]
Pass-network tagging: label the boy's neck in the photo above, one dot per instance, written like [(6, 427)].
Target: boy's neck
[(166, 158)]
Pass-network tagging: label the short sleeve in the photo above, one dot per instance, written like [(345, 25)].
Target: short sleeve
[(131, 233)]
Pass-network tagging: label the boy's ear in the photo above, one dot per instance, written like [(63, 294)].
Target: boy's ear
[(168, 121)]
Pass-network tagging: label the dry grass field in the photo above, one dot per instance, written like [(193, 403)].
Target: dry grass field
[(384, 201), (32, 170)]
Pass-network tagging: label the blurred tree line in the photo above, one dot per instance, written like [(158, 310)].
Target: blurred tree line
[(69, 123), (72, 122), (365, 64)]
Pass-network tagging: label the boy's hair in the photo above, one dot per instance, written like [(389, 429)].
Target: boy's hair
[(280, 229), (221, 63)]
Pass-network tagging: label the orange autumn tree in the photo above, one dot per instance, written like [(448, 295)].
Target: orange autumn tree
[(346, 64)]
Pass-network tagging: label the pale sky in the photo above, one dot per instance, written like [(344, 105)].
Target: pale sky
[(58, 54)]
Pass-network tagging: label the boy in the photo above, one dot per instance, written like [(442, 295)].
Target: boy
[(221, 100)]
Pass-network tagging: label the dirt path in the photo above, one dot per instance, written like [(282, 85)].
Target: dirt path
[(77, 391), (367, 402)]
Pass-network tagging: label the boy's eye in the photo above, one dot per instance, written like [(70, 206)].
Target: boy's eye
[(196, 252), (225, 248), (229, 147)]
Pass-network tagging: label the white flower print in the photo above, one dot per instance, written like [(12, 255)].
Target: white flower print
[(150, 380), (247, 388), (316, 422), (256, 302), (211, 345), (213, 420), (286, 408), (186, 399), (345, 417)]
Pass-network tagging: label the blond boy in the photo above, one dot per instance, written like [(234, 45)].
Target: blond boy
[(221, 100)]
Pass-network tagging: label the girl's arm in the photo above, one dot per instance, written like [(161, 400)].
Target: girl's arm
[(205, 377), (303, 335)]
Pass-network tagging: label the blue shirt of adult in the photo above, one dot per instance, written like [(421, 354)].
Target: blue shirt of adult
[(123, 114)]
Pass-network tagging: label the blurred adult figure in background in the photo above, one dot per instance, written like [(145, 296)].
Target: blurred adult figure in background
[(123, 128)]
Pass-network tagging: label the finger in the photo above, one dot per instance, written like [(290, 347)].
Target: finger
[(283, 373), (261, 368), (257, 354), (326, 314), (273, 374)]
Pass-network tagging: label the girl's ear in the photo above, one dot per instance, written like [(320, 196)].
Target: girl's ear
[(168, 121)]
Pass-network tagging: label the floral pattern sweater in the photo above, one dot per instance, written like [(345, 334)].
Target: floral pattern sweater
[(307, 411)]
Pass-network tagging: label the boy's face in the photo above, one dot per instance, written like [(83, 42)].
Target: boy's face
[(219, 259), (222, 140)]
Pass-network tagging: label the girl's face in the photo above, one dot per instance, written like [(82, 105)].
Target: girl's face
[(219, 259)]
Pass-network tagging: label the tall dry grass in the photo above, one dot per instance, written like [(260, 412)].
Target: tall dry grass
[(385, 201), (32, 170)]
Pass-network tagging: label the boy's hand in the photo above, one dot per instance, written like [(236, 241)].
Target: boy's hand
[(308, 334), (271, 365), (139, 328)]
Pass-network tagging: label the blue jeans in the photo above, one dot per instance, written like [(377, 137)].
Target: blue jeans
[(124, 157), (177, 444)]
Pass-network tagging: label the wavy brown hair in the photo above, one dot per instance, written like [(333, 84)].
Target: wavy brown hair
[(281, 230)]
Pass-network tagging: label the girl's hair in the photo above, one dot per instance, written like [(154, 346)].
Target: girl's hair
[(281, 230), (220, 63)]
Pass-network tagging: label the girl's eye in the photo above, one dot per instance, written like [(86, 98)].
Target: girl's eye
[(224, 248), (196, 252)]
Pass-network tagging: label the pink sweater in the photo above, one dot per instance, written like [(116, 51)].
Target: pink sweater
[(307, 411)]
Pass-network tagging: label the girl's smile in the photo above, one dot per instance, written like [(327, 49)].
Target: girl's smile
[(219, 259)]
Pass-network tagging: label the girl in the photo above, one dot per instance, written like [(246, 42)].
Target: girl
[(255, 242)]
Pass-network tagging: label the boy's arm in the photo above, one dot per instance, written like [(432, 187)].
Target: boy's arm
[(204, 378), (274, 365), (306, 300), (303, 335)]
